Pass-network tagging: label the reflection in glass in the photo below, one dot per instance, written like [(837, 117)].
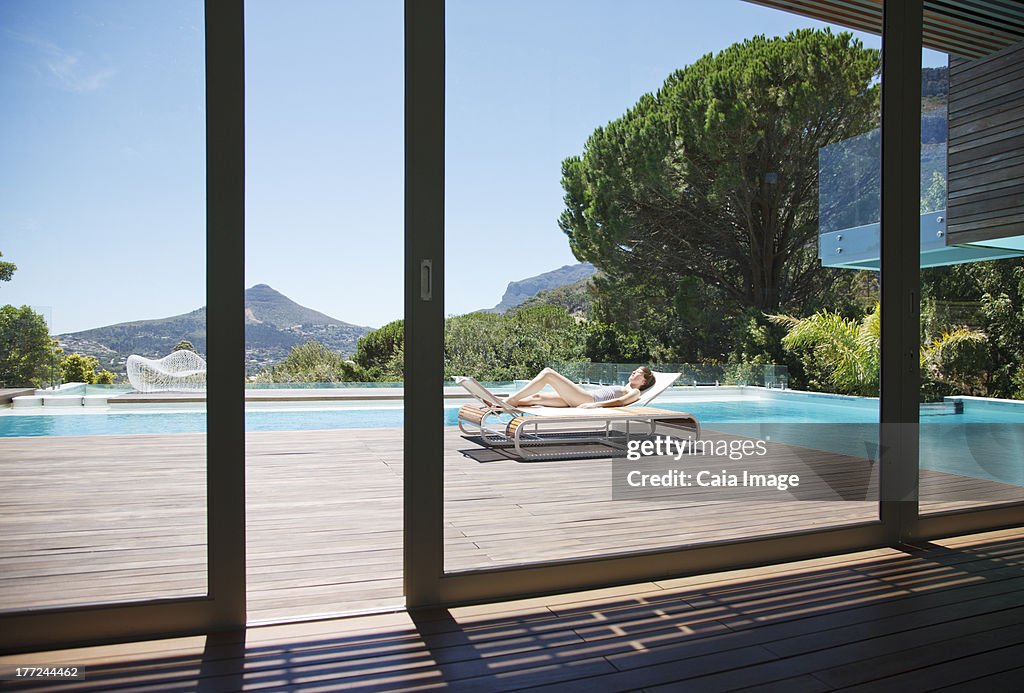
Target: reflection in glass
[(972, 423)]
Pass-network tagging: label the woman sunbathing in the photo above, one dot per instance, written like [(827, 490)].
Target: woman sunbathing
[(569, 394)]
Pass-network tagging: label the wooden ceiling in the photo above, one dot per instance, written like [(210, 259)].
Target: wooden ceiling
[(966, 28)]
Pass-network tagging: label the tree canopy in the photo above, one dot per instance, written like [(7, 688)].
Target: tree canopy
[(487, 346), (27, 353), (514, 345), (714, 177), (7, 270), (381, 353)]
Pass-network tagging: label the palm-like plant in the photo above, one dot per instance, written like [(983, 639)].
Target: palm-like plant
[(843, 353), (958, 358)]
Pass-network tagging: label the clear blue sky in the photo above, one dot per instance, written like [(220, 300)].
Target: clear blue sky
[(102, 183)]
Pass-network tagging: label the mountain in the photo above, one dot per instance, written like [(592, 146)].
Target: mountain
[(576, 298), (273, 325), (519, 291)]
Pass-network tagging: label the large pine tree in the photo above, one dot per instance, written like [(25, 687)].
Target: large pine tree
[(715, 177)]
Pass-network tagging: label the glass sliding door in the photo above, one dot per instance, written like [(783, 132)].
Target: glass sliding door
[(104, 466), (323, 307), (605, 211), (972, 423), (113, 524)]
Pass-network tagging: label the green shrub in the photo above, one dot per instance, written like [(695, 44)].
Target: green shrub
[(78, 368), (312, 362)]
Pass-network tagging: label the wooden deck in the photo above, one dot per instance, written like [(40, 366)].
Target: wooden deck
[(947, 615), (121, 517)]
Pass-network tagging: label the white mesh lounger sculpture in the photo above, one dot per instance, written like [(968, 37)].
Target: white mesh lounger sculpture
[(567, 432), (180, 370)]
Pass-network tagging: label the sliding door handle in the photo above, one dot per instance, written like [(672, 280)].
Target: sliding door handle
[(426, 280)]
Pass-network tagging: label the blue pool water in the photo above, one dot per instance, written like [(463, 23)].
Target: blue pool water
[(759, 411), (978, 442), (110, 423)]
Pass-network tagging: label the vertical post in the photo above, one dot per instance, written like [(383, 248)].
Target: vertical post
[(225, 301), (424, 300), (901, 252)]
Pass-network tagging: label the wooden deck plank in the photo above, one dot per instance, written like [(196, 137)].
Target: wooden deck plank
[(324, 516), (983, 682), (7, 394), (941, 631)]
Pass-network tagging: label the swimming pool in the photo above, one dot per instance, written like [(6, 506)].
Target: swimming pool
[(984, 440), (153, 422), (793, 409)]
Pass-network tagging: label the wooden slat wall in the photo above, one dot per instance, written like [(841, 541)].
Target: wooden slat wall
[(968, 28), (986, 146)]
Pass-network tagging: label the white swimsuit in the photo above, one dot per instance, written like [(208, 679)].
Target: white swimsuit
[(607, 392)]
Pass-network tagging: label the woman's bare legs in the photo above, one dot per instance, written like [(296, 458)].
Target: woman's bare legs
[(568, 393), (542, 399)]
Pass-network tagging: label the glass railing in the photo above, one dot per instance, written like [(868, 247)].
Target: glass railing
[(693, 375), (849, 200), (318, 386), (850, 176)]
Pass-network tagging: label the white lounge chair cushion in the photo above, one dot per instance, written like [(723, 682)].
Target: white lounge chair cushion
[(662, 381), (484, 395)]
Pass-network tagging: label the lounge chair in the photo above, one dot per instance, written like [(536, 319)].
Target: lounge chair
[(566, 432)]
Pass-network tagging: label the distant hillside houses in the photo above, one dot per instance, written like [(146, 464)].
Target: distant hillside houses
[(273, 325)]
